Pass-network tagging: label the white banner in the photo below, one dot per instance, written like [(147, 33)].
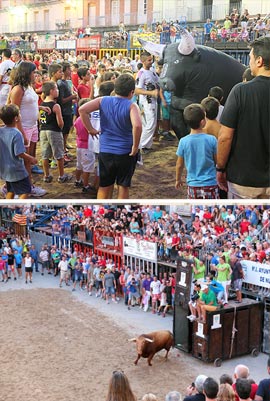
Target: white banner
[(140, 249), (66, 44), (256, 273)]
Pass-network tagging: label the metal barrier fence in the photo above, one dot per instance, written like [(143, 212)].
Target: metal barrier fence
[(39, 239)]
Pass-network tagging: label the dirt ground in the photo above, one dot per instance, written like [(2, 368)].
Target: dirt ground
[(155, 179), (54, 348)]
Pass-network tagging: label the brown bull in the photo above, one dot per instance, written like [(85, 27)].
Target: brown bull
[(149, 344)]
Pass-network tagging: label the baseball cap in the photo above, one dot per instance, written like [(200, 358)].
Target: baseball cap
[(204, 287)]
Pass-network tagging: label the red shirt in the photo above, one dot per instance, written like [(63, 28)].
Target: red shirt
[(93, 70), (207, 216), (244, 226), (101, 210), (261, 255), (254, 388), (83, 91), (38, 85), (219, 229), (102, 263), (88, 212), (75, 79), (175, 240), (173, 281)]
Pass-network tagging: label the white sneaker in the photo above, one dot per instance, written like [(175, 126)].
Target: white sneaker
[(89, 293), (37, 191)]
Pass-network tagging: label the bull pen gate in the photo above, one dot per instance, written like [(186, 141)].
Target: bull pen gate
[(39, 239), (228, 332), (141, 263)]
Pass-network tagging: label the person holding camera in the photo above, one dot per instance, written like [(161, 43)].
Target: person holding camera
[(195, 390), (133, 292)]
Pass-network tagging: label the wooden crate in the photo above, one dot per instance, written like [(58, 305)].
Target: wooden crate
[(239, 332)]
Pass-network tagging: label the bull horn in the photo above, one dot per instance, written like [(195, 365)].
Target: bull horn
[(187, 43), (149, 340), (132, 339), (155, 49)]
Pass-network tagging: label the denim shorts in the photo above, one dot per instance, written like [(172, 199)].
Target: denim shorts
[(78, 277), (110, 290)]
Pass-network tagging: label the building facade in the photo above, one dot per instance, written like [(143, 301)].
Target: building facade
[(18, 16)]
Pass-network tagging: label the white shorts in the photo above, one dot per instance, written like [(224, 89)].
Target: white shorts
[(64, 274), (85, 160)]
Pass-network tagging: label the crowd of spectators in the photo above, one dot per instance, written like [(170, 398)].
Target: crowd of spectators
[(81, 79), (237, 27), (235, 387), (211, 234)]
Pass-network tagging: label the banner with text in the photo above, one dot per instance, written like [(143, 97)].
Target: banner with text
[(149, 36), (140, 249), (256, 273)]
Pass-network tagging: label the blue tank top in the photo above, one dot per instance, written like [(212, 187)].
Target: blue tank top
[(116, 128)]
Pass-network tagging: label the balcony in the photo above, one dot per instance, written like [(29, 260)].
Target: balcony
[(63, 24)]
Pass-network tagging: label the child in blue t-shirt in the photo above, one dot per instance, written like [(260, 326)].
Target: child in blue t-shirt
[(197, 152), (13, 154)]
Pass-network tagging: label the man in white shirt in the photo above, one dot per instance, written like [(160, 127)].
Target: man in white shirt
[(155, 292), (147, 89), (63, 267), (5, 68), (44, 258)]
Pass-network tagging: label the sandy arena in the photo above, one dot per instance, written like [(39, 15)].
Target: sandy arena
[(56, 348)]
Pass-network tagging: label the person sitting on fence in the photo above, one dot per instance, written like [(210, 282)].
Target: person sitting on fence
[(193, 301), (207, 303), (243, 36), (259, 28)]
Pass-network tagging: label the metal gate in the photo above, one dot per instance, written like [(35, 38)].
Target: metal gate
[(266, 328), (39, 239), (142, 264)]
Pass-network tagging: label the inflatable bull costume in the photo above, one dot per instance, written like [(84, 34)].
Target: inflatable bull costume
[(189, 71)]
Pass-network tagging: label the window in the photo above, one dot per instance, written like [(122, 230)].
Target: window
[(145, 7), (115, 12), (46, 20), (92, 14), (36, 27)]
